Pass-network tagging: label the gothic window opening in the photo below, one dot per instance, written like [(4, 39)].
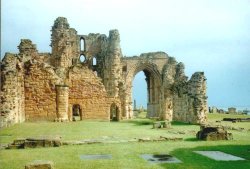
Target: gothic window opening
[(82, 44), (94, 62)]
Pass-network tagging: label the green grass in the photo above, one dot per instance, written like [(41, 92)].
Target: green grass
[(124, 155)]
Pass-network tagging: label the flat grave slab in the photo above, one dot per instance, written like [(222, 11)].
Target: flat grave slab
[(160, 158), (219, 156), (96, 157)]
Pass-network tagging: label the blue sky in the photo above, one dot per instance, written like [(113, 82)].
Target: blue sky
[(206, 35)]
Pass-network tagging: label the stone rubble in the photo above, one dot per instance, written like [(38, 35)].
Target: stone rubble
[(34, 143), (213, 133)]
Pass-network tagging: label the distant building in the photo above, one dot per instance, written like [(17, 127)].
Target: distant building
[(221, 111), (246, 111), (135, 105), (232, 110), (214, 110)]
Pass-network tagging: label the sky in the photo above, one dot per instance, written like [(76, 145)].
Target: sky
[(206, 35)]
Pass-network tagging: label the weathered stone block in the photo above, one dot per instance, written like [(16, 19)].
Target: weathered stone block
[(166, 124), (210, 133), (156, 125), (19, 141), (33, 144), (40, 164)]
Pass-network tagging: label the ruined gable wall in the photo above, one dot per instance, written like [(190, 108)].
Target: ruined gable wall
[(86, 89), (40, 93), (12, 91), (190, 100)]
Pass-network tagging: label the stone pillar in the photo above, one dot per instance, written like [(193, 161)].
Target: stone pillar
[(62, 104), (197, 91), (129, 103), (168, 109)]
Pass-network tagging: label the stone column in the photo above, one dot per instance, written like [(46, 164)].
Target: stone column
[(129, 103), (167, 109), (62, 104)]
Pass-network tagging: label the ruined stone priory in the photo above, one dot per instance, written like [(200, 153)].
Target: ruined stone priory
[(87, 77)]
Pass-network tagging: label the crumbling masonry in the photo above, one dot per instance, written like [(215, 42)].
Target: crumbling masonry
[(87, 76)]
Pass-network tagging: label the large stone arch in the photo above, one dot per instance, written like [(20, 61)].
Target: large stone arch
[(154, 81)]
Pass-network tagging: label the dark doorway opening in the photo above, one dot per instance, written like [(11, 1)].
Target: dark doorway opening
[(76, 112), (114, 112)]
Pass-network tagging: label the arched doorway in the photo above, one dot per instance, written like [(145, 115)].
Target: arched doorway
[(76, 112), (140, 94), (114, 112), (153, 80)]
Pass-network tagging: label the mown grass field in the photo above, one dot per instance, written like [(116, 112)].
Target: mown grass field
[(124, 155)]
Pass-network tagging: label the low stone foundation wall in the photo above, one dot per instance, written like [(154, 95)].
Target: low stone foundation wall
[(34, 143)]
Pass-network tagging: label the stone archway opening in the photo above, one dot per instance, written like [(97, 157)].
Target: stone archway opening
[(114, 112), (76, 112), (140, 94), (153, 81)]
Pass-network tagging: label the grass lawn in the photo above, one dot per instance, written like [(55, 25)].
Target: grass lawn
[(125, 155)]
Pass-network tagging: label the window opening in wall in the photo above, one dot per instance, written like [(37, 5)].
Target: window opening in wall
[(94, 61), (82, 58), (124, 68), (82, 44)]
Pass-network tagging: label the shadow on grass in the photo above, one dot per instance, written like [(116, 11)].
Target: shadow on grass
[(139, 122), (196, 161), (191, 139), (179, 123), (146, 121)]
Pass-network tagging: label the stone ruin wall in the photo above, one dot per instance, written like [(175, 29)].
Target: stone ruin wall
[(87, 90), (40, 91), (12, 91), (45, 86)]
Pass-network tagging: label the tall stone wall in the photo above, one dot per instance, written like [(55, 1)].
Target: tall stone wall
[(87, 90), (40, 91), (65, 44), (12, 91)]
